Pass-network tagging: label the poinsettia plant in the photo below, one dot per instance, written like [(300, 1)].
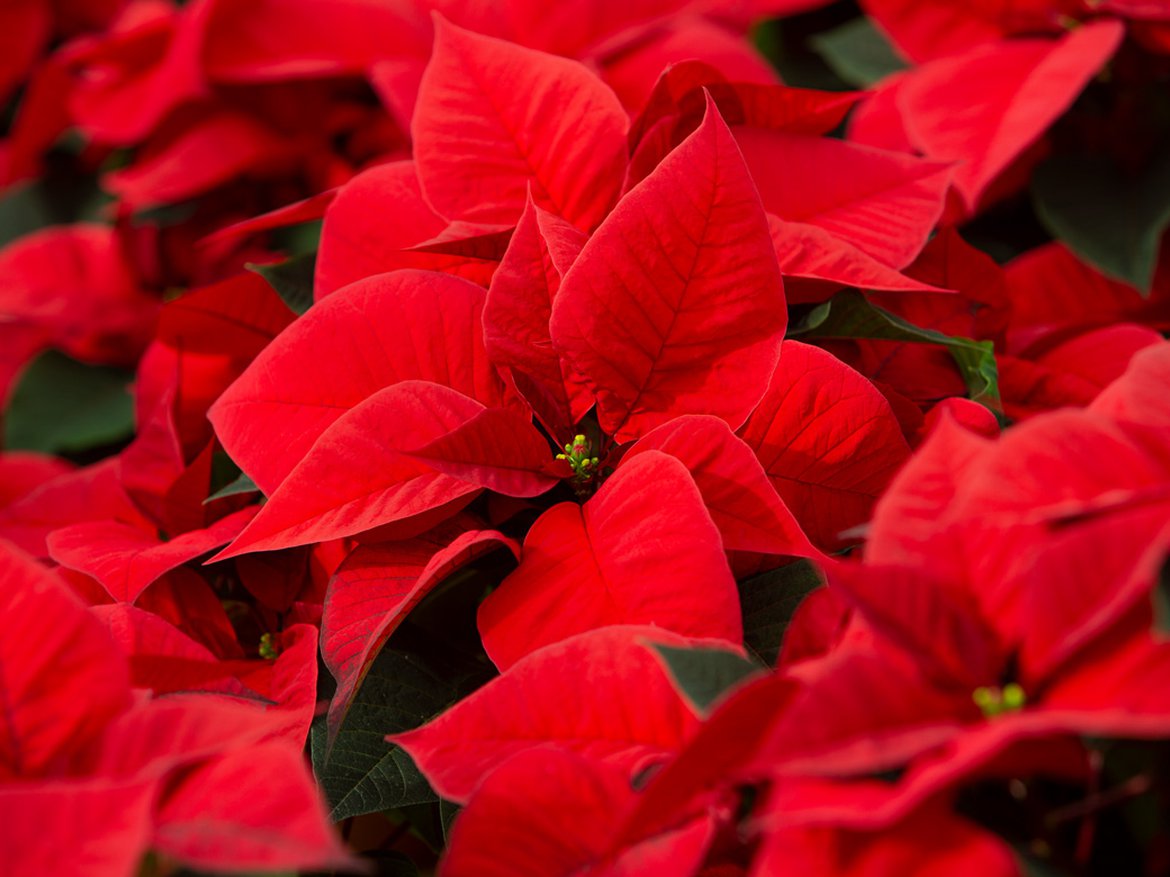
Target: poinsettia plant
[(586, 438)]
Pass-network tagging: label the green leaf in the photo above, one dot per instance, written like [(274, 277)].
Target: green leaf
[(365, 774), (61, 406), (292, 279), (242, 484), (50, 201), (858, 52), (1161, 599), (1111, 220), (702, 674), (850, 315), (770, 601)]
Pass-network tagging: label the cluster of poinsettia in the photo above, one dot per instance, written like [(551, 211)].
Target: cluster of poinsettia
[(621, 426)]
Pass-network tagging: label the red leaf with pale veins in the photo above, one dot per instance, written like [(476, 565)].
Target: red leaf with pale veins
[(254, 808), (883, 203), (644, 550), (377, 587), (127, 559), (104, 823), (1010, 92), (827, 439), (743, 504), (497, 449), (517, 311), (494, 118), (240, 315), (409, 325), (356, 477), (61, 676), (810, 252), (352, 247), (601, 694), (675, 305), (551, 813)]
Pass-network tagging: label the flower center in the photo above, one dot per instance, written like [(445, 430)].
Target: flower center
[(996, 701)]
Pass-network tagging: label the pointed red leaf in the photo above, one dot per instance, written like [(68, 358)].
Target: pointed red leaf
[(1010, 91), (352, 247), (883, 203), (1079, 587), (810, 252), (199, 157), (240, 316), (254, 808), (907, 521), (644, 550), (1139, 395), (601, 694), (267, 40), (497, 449), (74, 284), (126, 559), (675, 305), (926, 29), (409, 325), (356, 477), (827, 439), (374, 591), (551, 813), (483, 132), (829, 729), (517, 311), (62, 678), (742, 502), (105, 824), (936, 622)]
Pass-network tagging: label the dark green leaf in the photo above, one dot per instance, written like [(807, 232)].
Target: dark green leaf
[(447, 814), (61, 406), (702, 674), (858, 52), (785, 45), (850, 315), (391, 863), (242, 484), (769, 602), (292, 279), (50, 201), (1111, 220), (365, 774), (1161, 598)]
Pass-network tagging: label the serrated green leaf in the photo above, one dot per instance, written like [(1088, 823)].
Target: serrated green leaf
[(61, 406), (1109, 219), (292, 279), (703, 674), (769, 601), (363, 773), (850, 315), (241, 484), (858, 52)]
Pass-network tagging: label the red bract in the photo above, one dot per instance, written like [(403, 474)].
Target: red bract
[(600, 694), (483, 134), (642, 551), (675, 305), (291, 392), (1012, 91), (827, 440), (81, 747)]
